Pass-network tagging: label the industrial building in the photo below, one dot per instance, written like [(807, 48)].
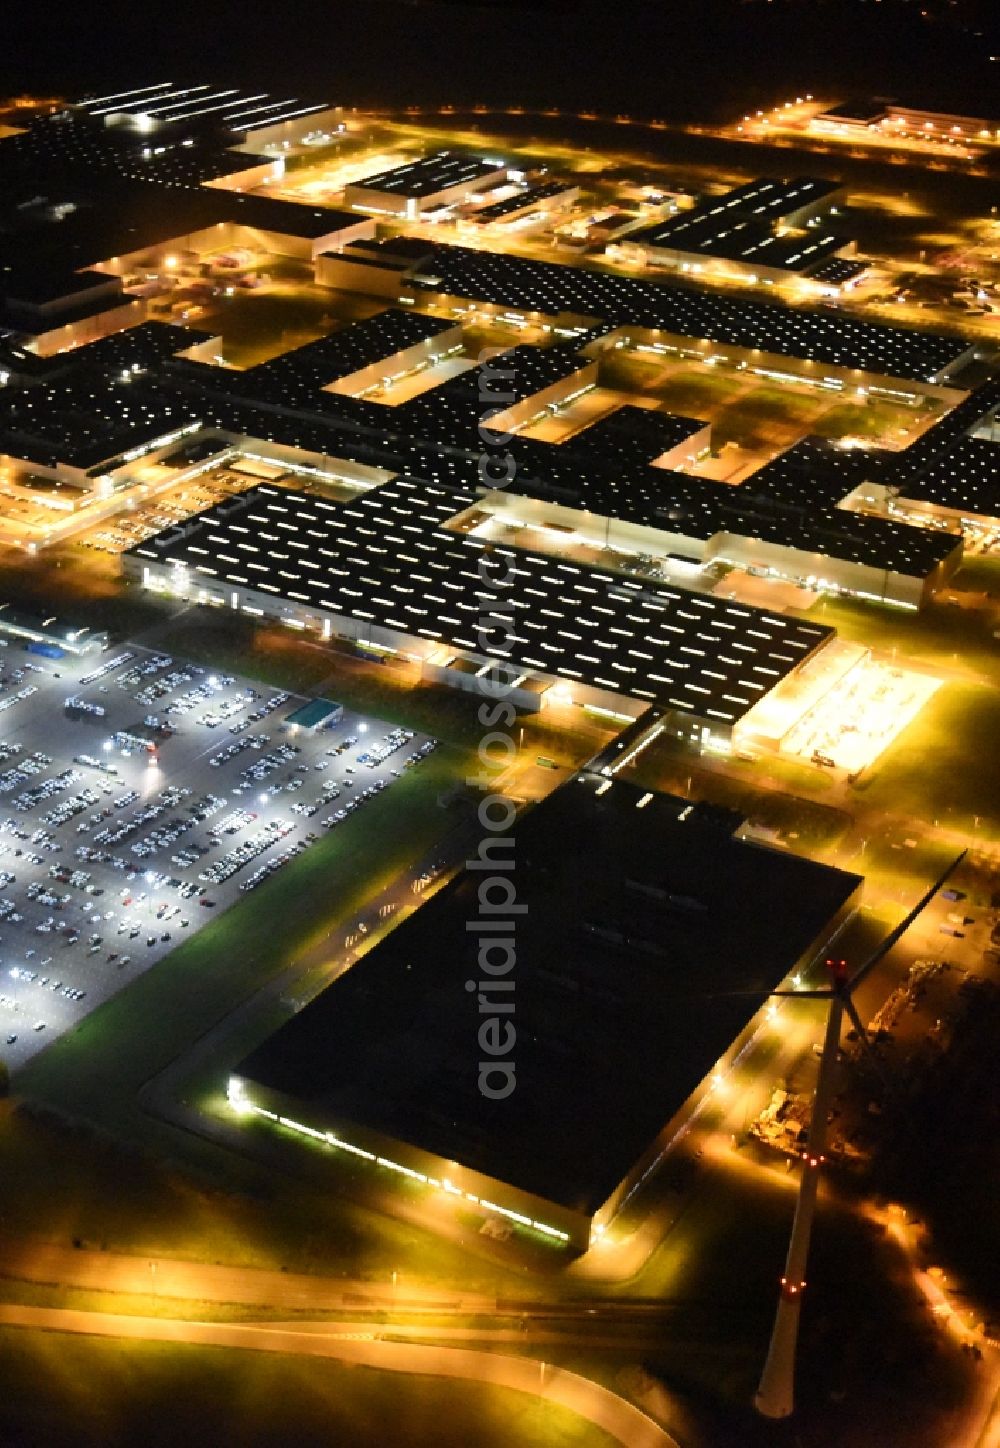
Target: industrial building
[(386, 572), (741, 250), (891, 118), (228, 111), (113, 181), (58, 634), (418, 187), (648, 936), (821, 547), (538, 200), (763, 231), (313, 715), (762, 331), (133, 398), (81, 429), (399, 393)]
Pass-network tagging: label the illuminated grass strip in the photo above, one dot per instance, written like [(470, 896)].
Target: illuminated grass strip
[(241, 1103)]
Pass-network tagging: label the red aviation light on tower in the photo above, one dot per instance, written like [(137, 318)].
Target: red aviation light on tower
[(838, 971)]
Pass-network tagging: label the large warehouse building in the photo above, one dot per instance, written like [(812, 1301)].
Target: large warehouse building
[(538, 1081), (385, 571), (766, 230), (417, 187), (95, 398)]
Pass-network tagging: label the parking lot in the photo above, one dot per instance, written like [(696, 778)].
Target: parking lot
[(172, 505), (140, 796)]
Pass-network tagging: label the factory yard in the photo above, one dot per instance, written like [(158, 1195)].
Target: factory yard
[(169, 499), (559, 421), (172, 504), (759, 412), (392, 391), (323, 182), (161, 494), (857, 720), (152, 803)]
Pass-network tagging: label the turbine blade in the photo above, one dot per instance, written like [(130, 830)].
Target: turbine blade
[(759, 995), (900, 930), (870, 1051), (804, 994)]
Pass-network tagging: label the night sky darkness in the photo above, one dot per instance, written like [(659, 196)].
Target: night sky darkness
[(668, 59)]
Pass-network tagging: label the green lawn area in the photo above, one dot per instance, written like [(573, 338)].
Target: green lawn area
[(946, 765), (694, 391), (979, 573), (950, 638), (71, 1392), (748, 414), (231, 643), (59, 1183), (258, 325), (78, 584), (700, 388), (767, 414), (793, 775), (864, 419)]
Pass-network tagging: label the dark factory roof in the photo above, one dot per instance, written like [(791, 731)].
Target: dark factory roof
[(429, 175), (388, 559), (553, 288), (740, 226), (740, 239), (524, 199), (87, 421), (651, 936), (837, 270), (965, 477), (303, 371)]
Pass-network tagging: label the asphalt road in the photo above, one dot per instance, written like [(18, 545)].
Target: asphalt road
[(598, 1405), (210, 1282)]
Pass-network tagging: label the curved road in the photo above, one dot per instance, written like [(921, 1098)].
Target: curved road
[(598, 1405)]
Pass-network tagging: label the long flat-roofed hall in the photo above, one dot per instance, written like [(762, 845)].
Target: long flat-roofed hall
[(642, 939)]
